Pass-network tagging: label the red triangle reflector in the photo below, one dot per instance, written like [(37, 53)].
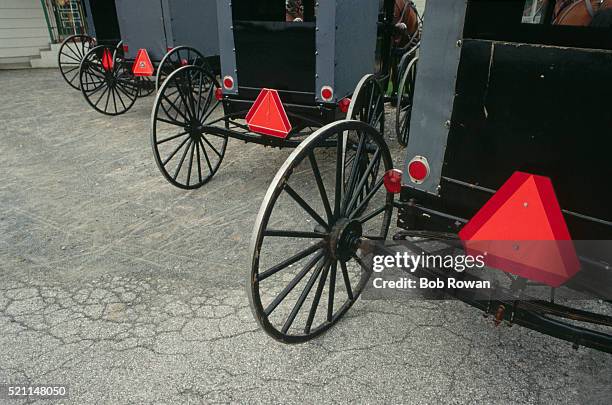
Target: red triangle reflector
[(142, 65), (521, 230), (267, 116), (107, 60)]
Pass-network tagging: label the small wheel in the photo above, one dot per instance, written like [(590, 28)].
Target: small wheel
[(403, 108), (145, 85), (176, 58), (106, 81), (70, 55), (313, 211), (184, 107)]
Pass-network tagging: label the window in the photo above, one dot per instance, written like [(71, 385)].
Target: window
[(567, 23), (274, 10)]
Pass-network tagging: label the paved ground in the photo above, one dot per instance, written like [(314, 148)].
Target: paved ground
[(131, 291)]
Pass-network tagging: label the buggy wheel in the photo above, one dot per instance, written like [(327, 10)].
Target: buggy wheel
[(186, 154), (70, 55), (145, 85), (403, 108), (176, 58), (106, 81), (308, 265), (368, 103)]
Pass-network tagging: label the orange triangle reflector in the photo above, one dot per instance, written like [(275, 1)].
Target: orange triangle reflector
[(107, 60), (521, 230), (267, 116), (142, 65)]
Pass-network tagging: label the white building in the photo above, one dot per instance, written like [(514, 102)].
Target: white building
[(23, 32)]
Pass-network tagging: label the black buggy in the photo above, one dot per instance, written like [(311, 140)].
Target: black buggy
[(157, 37), (508, 142), (287, 68)]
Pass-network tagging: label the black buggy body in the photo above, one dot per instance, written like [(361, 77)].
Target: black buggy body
[(500, 90)]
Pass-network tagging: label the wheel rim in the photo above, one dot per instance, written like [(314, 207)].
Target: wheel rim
[(70, 55), (185, 153), (298, 297), (368, 103), (177, 58), (109, 91), (368, 106), (405, 96)]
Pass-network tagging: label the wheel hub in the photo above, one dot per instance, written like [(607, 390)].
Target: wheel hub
[(344, 239)]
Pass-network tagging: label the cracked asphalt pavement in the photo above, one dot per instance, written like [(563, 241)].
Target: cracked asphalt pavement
[(131, 291)]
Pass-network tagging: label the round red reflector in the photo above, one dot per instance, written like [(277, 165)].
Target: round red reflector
[(228, 82), (327, 93), (344, 104), (393, 181), (125, 48), (418, 169), (184, 62), (219, 94)]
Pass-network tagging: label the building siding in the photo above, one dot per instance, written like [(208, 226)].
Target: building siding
[(23, 30)]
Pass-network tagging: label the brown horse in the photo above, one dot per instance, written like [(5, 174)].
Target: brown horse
[(578, 12), (294, 11), (406, 21)]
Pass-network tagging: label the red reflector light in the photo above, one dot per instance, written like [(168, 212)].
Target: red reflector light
[(184, 62), (393, 181), (228, 82), (327, 93), (107, 60), (219, 94), (267, 116), (344, 104), (125, 48), (418, 169), (168, 49), (142, 65)]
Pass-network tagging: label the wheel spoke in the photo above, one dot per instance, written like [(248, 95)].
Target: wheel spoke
[(320, 186), (211, 146), (293, 234), (190, 163), (339, 174), (305, 206), (317, 298), (332, 288), (353, 177), (206, 155), (371, 215), (303, 296), (295, 281), (101, 95), (285, 263), (172, 137), (347, 281), (180, 165), (366, 175), (367, 198), (199, 162), (164, 97), (165, 162)]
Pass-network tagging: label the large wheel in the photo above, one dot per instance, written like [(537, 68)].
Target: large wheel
[(176, 58), (106, 81), (185, 153), (405, 97), (308, 262), (70, 55)]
